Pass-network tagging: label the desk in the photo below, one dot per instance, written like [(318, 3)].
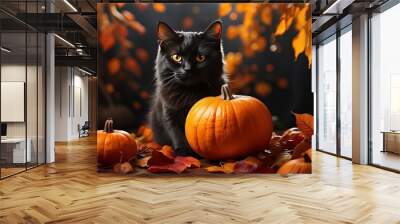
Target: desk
[(13, 150), (391, 141)]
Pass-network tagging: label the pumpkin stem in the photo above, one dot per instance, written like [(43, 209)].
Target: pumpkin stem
[(226, 92), (108, 126)]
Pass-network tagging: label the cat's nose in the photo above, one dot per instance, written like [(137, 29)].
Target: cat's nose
[(187, 66)]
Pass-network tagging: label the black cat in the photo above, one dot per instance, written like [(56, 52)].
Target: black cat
[(189, 66)]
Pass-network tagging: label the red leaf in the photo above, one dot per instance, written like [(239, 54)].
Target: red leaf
[(168, 168), (301, 148), (248, 165), (188, 161), (305, 122), (159, 159)]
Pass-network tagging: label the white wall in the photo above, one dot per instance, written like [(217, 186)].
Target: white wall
[(71, 102), (33, 127)]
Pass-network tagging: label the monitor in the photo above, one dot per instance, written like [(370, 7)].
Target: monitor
[(3, 129)]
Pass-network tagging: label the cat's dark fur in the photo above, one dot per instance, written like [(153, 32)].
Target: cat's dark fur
[(181, 84)]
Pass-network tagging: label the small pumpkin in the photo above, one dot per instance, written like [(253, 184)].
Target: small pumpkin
[(228, 126), (295, 166), (114, 146)]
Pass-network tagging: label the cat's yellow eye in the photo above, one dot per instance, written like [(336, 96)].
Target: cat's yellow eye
[(200, 58), (176, 58)]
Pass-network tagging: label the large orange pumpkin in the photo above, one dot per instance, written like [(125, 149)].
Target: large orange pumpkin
[(228, 126), (114, 146), (295, 166)]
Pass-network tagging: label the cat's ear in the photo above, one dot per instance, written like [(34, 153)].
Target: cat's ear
[(165, 32), (214, 30)]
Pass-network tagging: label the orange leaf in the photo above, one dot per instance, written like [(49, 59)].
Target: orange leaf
[(114, 66), (143, 162), (224, 9), (248, 165), (224, 168), (188, 161), (168, 151), (106, 38), (168, 168), (159, 7), (305, 122), (128, 15)]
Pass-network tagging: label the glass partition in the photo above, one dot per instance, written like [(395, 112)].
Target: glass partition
[(326, 77), (346, 72), (22, 88), (385, 89)]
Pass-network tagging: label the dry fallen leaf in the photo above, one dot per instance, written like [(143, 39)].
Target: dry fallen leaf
[(168, 168), (168, 151), (305, 122), (248, 165), (224, 168), (189, 161), (123, 168), (301, 148), (159, 159), (143, 162)]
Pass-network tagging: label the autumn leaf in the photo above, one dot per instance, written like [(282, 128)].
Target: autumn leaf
[(168, 151), (189, 161), (305, 122), (224, 9), (123, 168), (301, 148), (114, 66), (248, 165), (168, 168), (133, 66), (158, 158), (224, 168), (106, 38), (128, 15), (282, 159), (291, 138), (146, 133), (143, 162), (299, 43), (159, 7)]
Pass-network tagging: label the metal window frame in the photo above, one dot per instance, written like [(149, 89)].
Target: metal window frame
[(339, 32)]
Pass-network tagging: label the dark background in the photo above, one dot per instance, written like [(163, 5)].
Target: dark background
[(267, 69)]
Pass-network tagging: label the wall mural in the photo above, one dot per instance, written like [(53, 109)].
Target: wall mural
[(204, 88)]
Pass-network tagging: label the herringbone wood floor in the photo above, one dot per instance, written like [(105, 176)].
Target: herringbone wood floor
[(71, 191)]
